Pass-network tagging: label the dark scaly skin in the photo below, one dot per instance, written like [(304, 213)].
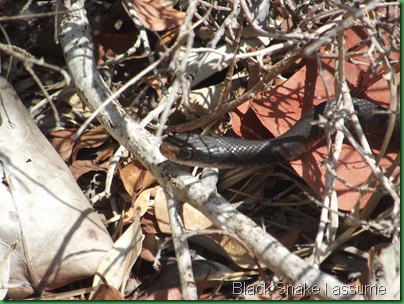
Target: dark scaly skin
[(226, 152)]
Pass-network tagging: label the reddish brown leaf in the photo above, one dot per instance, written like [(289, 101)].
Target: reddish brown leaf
[(80, 167), (106, 292), (290, 239), (149, 247), (91, 139), (148, 223), (61, 141), (110, 45), (105, 153)]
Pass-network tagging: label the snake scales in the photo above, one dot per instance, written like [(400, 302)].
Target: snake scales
[(226, 152)]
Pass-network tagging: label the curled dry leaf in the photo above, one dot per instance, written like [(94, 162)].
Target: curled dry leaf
[(156, 17), (136, 178)]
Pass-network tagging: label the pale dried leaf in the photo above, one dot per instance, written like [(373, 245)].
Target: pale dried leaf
[(5, 260), (59, 237), (142, 202), (77, 106), (118, 261)]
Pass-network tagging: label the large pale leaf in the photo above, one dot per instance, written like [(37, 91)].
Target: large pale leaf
[(59, 238)]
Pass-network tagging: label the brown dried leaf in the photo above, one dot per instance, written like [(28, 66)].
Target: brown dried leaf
[(80, 167), (290, 239), (149, 247), (106, 292), (119, 260), (111, 45), (136, 178), (156, 17), (91, 139), (105, 153), (193, 219), (61, 141), (141, 204), (148, 223), (161, 212)]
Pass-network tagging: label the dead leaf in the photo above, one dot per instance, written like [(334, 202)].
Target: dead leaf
[(289, 239), (156, 17), (173, 293), (149, 248), (136, 178), (90, 140), (194, 220), (80, 167), (118, 261), (111, 45), (107, 292), (59, 237), (384, 272), (142, 202), (167, 38), (105, 153), (5, 261), (148, 223), (206, 273), (61, 141)]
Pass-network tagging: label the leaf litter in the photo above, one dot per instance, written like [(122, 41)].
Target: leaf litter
[(281, 198)]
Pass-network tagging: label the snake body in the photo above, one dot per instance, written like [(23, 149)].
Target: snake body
[(226, 152)]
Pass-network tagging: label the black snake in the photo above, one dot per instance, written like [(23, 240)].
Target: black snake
[(226, 152)]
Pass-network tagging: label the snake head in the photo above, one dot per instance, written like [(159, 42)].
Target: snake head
[(191, 150), (178, 148)]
